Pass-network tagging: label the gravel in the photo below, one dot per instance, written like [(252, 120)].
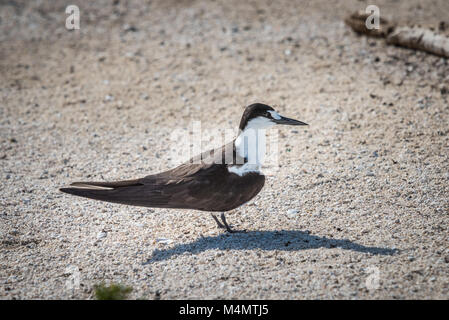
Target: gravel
[(356, 207)]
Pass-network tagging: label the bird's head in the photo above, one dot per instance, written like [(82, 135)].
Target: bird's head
[(260, 116)]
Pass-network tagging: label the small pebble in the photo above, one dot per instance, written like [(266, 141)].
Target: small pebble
[(101, 235), (292, 213)]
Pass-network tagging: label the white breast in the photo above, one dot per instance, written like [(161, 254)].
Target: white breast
[(251, 144), (241, 170)]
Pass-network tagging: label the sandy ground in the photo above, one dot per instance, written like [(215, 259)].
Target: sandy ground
[(356, 209)]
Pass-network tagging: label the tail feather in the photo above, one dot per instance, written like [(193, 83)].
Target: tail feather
[(117, 191), (114, 184)]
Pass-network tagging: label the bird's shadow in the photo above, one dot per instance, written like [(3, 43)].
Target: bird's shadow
[(285, 240)]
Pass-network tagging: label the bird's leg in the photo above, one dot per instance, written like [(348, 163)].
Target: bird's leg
[(228, 228), (220, 225)]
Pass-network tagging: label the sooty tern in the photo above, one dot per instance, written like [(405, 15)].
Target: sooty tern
[(217, 180)]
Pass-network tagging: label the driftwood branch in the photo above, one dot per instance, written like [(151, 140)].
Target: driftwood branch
[(420, 39), (357, 21), (413, 38)]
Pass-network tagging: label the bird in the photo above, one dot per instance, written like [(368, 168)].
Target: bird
[(218, 180)]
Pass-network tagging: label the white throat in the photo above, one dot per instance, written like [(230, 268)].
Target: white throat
[(251, 144)]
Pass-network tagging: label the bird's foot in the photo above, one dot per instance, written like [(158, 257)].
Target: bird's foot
[(228, 228), (220, 225), (224, 224), (235, 231)]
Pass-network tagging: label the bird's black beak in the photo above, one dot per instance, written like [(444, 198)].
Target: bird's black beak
[(288, 121)]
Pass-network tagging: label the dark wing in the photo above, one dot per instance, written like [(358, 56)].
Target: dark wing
[(207, 188), (151, 191), (201, 187), (193, 185)]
